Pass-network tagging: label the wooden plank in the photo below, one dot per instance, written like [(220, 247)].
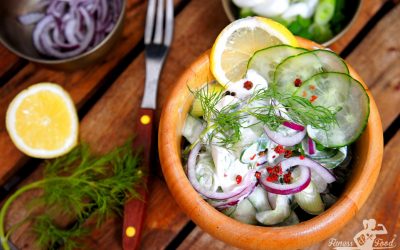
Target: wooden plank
[(376, 59), (81, 84), (194, 34), (7, 62), (110, 121), (367, 11), (198, 239)]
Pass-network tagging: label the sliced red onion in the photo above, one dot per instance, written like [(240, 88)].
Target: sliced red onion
[(247, 181), (304, 161), (235, 199), (72, 27), (298, 185), (285, 140), (311, 146), (293, 126), (31, 18)]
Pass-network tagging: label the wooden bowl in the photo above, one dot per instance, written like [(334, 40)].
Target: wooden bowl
[(367, 162), (352, 11)]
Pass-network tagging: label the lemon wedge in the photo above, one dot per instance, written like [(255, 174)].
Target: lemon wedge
[(239, 40), (42, 121)]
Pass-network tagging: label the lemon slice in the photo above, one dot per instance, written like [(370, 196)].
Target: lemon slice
[(239, 40), (42, 121)]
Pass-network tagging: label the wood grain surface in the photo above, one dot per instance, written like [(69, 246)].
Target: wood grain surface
[(81, 85), (110, 121)]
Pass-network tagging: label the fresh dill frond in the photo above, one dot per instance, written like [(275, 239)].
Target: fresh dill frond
[(80, 186), (224, 126)]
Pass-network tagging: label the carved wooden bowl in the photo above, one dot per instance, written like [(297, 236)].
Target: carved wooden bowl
[(367, 162)]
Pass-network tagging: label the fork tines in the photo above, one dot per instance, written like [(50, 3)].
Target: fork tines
[(161, 32)]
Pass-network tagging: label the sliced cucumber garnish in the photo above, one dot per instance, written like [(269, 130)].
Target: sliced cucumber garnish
[(310, 200), (295, 70), (259, 199), (340, 92), (265, 61), (280, 213), (291, 220), (245, 212), (192, 129), (250, 154), (335, 160)]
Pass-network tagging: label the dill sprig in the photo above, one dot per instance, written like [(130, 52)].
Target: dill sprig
[(81, 186), (298, 108), (225, 125)]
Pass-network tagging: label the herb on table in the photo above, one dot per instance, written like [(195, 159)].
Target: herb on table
[(82, 186)]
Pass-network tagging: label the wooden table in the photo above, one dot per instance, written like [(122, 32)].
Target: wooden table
[(108, 94)]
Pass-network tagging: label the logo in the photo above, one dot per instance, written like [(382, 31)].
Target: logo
[(366, 239)]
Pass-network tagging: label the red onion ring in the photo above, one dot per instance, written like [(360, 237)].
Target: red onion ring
[(235, 199), (296, 161), (311, 146), (191, 165), (31, 18), (285, 140), (71, 27), (293, 126), (298, 185)]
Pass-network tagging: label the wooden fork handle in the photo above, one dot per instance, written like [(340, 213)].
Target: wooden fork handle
[(135, 209)]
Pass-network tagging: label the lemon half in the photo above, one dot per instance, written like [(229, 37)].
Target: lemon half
[(42, 121), (239, 40)]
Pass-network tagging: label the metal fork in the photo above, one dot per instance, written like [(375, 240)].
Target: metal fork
[(157, 39)]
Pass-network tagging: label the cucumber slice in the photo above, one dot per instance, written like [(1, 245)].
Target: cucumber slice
[(279, 214), (259, 199), (310, 200), (341, 92), (297, 69), (245, 212), (229, 211), (335, 160), (265, 61), (192, 129), (249, 154), (291, 220)]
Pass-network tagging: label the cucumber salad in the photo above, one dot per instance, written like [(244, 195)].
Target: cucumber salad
[(273, 144)]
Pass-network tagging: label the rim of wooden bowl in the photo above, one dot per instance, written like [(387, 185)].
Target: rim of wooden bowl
[(367, 162)]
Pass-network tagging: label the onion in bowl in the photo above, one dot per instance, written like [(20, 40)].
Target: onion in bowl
[(71, 27)]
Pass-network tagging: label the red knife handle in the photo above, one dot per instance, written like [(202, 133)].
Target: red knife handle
[(135, 209)]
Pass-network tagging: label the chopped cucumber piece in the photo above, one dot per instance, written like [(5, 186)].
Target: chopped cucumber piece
[(295, 70), (340, 92), (250, 154), (229, 211), (310, 200), (291, 220), (245, 212), (192, 129), (245, 12), (324, 12), (335, 160), (212, 87), (265, 61), (259, 199), (279, 214)]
